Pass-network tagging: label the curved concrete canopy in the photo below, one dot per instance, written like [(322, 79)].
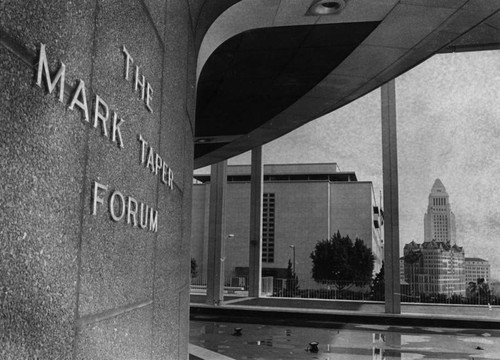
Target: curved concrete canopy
[(266, 67)]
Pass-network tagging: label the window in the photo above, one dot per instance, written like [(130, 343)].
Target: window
[(268, 227)]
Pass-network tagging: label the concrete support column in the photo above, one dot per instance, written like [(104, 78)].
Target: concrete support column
[(394, 339), (216, 234), (255, 246), (391, 201)]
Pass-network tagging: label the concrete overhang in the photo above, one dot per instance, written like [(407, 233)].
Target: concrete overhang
[(266, 67)]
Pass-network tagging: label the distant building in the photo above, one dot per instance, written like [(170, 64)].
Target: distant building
[(439, 220), (438, 265), (413, 267), (402, 279), (476, 268), (302, 204), (435, 268), (443, 268)]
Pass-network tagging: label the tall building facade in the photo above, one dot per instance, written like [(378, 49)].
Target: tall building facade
[(476, 268), (438, 265), (402, 279), (439, 220), (443, 269), (413, 265), (302, 204), (435, 268)]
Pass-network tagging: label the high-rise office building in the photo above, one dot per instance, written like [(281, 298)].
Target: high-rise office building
[(439, 220)]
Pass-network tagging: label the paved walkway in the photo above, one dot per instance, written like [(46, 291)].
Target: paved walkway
[(433, 331), (200, 353)]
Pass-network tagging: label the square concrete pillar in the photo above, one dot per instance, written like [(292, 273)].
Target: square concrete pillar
[(255, 245), (216, 234), (391, 200)]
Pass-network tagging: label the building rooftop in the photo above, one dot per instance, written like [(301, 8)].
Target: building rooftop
[(286, 172), (438, 189), (475, 259)]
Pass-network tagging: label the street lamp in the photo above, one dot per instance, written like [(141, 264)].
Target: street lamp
[(223, 263), (293, 263), (223, 251)]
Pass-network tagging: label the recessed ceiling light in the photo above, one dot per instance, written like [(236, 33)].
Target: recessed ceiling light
[(326, 7)]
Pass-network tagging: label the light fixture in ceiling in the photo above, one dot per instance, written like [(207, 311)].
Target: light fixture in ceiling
[(326, 7)]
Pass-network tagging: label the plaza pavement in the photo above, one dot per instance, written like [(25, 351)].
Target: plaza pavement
[(412, 314)]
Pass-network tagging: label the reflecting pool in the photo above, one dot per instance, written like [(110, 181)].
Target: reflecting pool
[(343, 342)]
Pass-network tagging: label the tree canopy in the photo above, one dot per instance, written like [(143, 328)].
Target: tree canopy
[(339, 259), (480, 292)]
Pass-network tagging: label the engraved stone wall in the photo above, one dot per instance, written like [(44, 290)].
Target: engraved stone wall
[(95, 190)]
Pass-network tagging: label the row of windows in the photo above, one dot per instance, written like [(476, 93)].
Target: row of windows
[(268, 207), (439, 201), (440, 227)]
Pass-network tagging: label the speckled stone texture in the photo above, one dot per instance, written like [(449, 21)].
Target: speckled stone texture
[(74, 285), (41, 173), (41, 170), (126, 337), (111, 249)]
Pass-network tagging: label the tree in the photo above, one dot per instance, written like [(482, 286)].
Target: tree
[(479, 293), (484, 291), (471, 291), (378, 285), (338, 259), (194, 268), (362, 262)]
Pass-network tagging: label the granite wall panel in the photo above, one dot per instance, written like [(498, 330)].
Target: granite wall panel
[(110, 247), (75, 283), (124, 337), (191, 80), (69, 25), (168, 248), (41, 171), (187, 201), (171, 266), (175, 80), (166, 334), (156, 10), (183, 323)]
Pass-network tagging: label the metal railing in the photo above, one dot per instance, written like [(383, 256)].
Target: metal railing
[(367, 291), (348, 290), (330, 290), (450, 298), (232, 285)]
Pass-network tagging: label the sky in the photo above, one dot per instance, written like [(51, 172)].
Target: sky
[(448, 126)]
